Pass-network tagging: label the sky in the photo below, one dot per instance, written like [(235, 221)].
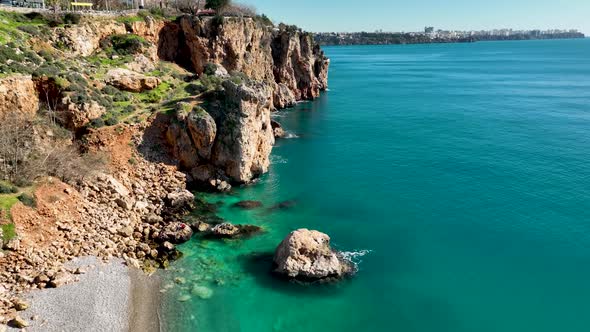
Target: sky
[(412, 15)]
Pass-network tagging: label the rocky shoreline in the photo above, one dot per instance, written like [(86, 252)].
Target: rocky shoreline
[(134, 208)]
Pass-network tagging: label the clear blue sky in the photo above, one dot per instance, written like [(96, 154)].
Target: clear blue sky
[(409, 15)]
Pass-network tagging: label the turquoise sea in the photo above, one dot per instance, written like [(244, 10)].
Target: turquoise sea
[(457, 176)]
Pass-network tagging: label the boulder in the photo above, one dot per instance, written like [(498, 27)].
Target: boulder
[(306, 255), (220, 71), (182, 199), (248, 205), (202, 130), (277, 129), (60, 279), (200, 227), (18, 323), (20, 305), (125, 79), (176, 233), (141, 64)]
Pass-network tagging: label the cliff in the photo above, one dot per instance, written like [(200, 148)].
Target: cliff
[(272, 68), (285, 58), (284, 65)]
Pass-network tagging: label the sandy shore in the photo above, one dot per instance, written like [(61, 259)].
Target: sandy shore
[(108, 297)]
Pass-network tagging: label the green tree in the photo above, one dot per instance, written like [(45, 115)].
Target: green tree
[(217, 4)]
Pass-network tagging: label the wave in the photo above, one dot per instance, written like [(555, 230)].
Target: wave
[(289, 135), (274, 159), (354, 257)]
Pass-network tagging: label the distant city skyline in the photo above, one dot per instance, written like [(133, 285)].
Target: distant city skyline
[(397, 15)]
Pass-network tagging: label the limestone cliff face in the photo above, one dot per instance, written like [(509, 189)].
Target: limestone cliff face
[(232, 141), (299, 63), (286, 58), (237, 44), (18, 93), (286, 65), (245, 136)]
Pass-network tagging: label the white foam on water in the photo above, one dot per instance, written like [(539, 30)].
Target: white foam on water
[(289, 135), (355, 257), (274, 159)]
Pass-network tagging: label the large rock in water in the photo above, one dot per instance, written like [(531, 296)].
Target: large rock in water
[(307, 255)]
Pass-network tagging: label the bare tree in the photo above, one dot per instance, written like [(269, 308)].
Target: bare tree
[(26, 153), (16, 144)]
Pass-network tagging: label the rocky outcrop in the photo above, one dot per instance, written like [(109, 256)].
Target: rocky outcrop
[(176, 233), (18, 93), (245, 138), (232, 140), (299, 63), (248, 205), (231, 231), (286, 59), (277, 129), (306, 255), (74, 115), (83, 39), (237, 44), (128, 80)]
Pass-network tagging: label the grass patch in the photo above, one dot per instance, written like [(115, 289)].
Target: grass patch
[(156, 95), (6, 203), (8, 232)]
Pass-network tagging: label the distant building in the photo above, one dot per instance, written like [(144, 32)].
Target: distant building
[(428, 29)]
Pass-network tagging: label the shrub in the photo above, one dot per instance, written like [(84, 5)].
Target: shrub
[(30, 29), (110, 90), (97, 123), (34, 16), (9, 53), (264, 20), (27, 200), (211, 83), (128, 44), (217, 21), (6, 188), (45, 54), (55, 22), (157, 12), (210, 69), (72, 18), (111, 121), (238, 77)]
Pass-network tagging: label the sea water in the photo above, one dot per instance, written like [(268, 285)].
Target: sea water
[(456, 176)]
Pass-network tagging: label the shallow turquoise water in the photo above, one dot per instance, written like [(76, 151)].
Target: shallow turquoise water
[(463, 168)]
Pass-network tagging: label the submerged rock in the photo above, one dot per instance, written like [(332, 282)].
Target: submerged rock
[(202, 292), (285, 205), (307, 255), (231, 231), (248, 205)]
